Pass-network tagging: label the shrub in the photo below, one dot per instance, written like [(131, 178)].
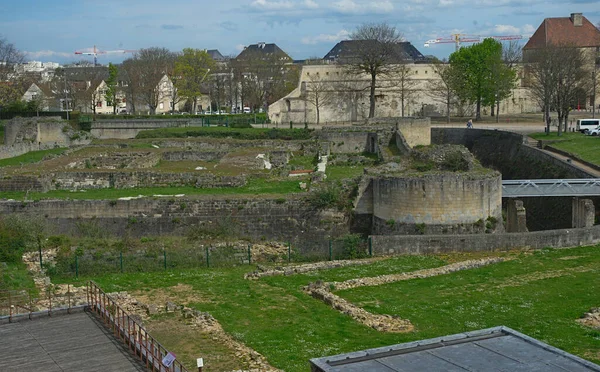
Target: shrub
[(328, 197), (455, 162)]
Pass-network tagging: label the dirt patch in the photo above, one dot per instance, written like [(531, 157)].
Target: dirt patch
[(566, 258), (201, 323)]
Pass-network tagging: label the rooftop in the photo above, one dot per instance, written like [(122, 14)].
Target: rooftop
[(575, 30), (63, 342), (493, 349)]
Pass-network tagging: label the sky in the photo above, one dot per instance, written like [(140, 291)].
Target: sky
[(52, 30)]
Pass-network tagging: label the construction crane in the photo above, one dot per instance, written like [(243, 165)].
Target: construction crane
[(457, 39), (95, 53)]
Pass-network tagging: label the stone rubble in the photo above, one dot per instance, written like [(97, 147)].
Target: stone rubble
[(591, 318), (305, 268)]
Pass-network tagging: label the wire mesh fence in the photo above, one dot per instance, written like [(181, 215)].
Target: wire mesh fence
[(90, 264)]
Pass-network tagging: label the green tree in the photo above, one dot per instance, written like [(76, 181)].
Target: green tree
[(111, 86), (191, 68), (478, 73)]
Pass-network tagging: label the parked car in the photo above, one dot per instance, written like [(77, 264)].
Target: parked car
[(584, 125), (247, 110), (593, 132)]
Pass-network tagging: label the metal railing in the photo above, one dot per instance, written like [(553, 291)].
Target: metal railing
[(17, 304), (558, 187), (130, 331)]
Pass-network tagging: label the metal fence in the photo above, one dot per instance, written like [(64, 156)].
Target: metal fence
[(93, 263), (127, 329), (16, 304)]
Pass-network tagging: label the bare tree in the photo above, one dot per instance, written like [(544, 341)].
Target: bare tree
[(442, 89), (557, 74), (350, 92), (9, 56), (318, 92), (375, 54), (147, 70), (405, 85)]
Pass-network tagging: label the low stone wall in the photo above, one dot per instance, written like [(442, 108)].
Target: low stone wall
[(396, 244), (124, 180), (193, 155), (124, 129), (293, 219)]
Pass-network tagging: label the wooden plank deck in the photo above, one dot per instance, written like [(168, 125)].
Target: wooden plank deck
[(69, 342)]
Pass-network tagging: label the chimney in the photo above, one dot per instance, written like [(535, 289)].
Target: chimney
[(577, 19)]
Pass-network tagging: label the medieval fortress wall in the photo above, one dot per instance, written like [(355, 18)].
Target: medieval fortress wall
[(347, 96)]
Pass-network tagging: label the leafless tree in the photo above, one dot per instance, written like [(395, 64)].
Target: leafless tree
[(350, 91), (376, 54), (318, 92), (556, 75), (442, 88), (145, 70), (9, 56), (405, 85)]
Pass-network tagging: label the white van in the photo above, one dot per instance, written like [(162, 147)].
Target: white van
[(583, 125), (247, 110)]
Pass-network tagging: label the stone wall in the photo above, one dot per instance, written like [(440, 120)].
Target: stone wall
[(22, 135), (125, 129), (396, 244), (507, 152), (273, 219), (448, 199), (345, 141), (193, 155), (416, 131)]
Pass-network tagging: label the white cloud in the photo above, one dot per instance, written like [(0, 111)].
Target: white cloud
[(528, 29), (272, 5), (311, 4), (506, 30), (49, 53), (352, 7), (326, 38)]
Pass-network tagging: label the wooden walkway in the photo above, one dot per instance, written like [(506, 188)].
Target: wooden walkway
[(69, 342)]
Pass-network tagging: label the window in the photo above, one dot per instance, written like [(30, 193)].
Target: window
[(425, 71), (416, 72), (161, 105), (99, 104)]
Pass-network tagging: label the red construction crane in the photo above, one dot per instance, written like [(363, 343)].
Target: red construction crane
[(95, 53), (457, 39)]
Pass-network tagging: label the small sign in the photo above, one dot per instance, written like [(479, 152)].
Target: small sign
[(200, 362), (168, 360)]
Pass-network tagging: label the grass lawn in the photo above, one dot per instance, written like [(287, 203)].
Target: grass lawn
[(255, 186), (540, 294), (30, 157), (585, 147), (224, 132), (15, 277)]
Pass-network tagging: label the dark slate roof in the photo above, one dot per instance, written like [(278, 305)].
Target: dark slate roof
[(347, 50), (263, 48), (562, 31), (68, 342), (216, 55), (493, 349)]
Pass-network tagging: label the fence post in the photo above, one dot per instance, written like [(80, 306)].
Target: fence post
[(370, 246), (40, 250), (330, 250), (289, 252), (207, 257), (76, 266), (249, 254), (121, 259), (165, 258)]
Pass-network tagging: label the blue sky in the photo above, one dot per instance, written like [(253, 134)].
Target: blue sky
[(51, 30)]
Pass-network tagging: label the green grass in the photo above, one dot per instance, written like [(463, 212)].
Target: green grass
[(585, 147), (15, 277), (303, 162), (255, 186), (223, 132), (340, 172), (540, 294), (274, 316), (30, 157)]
